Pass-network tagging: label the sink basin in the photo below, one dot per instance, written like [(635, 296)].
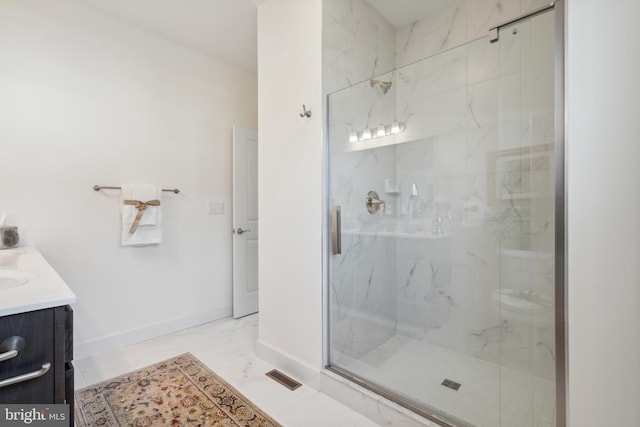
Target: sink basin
[(13, 278)]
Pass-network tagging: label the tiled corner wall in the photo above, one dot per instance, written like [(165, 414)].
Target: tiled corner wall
[(358, 43)]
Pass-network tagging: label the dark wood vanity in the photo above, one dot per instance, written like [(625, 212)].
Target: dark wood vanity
[(36, 354), (36, 332)]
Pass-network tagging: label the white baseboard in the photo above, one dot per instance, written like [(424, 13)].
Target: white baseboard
[(363, 401), (290, 365), (133, 336)]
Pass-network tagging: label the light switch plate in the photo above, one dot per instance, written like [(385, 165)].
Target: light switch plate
[(215, 208)]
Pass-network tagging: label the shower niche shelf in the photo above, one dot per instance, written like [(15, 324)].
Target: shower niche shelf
[(391, 187), (417, 235)]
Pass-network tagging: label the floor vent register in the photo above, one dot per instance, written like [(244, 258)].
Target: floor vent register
[(283, 379)]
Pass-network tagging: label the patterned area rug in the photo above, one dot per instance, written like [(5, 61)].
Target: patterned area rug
[(177, 392)]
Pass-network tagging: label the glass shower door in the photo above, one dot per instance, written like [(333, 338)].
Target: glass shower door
[(362, 291), (525, 192), (441, 275)]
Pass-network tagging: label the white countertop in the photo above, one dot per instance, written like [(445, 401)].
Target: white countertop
[(43, 289)]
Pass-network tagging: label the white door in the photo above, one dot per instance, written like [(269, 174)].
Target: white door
[(245, 222)]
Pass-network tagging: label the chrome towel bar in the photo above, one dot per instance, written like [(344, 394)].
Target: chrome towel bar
[(104, 187)]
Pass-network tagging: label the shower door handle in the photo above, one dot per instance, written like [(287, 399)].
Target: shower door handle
[(336, 230)]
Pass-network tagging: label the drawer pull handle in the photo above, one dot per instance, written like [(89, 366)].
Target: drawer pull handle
[(10, 347), (26, 377), (8, 355)]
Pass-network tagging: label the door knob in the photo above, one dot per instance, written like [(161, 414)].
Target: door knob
[(241, 231)]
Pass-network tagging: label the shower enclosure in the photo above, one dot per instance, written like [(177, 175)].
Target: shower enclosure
[(442, 281)]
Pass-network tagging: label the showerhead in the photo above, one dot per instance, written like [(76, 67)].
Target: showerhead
[(384, 86)]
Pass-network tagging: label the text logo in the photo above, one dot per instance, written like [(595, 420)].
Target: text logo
[(34, 415)]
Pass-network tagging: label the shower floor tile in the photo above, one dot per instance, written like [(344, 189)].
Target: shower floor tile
[(489, 396)]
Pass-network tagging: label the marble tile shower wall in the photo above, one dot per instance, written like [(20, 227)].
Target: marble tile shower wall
[(358, 43), (447, 84), (364, 310)]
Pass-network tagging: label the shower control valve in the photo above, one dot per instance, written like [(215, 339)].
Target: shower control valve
[(373, 203)]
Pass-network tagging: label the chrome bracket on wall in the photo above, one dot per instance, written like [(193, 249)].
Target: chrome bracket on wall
[(493, 32), (493, 35)]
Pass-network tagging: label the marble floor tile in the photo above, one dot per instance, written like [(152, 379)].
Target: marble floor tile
[(227, 347)]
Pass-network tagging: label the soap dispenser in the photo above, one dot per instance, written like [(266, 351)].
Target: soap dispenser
[(9, 237)]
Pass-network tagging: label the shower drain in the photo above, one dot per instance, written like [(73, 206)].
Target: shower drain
[(451, 384)]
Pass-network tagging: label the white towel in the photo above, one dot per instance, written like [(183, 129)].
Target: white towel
[(149, 229)]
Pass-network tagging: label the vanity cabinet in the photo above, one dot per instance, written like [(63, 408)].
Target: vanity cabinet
[(48, 339)]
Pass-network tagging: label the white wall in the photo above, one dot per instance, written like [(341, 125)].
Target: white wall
[(604, 211), (290, 176), (87, 99)]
